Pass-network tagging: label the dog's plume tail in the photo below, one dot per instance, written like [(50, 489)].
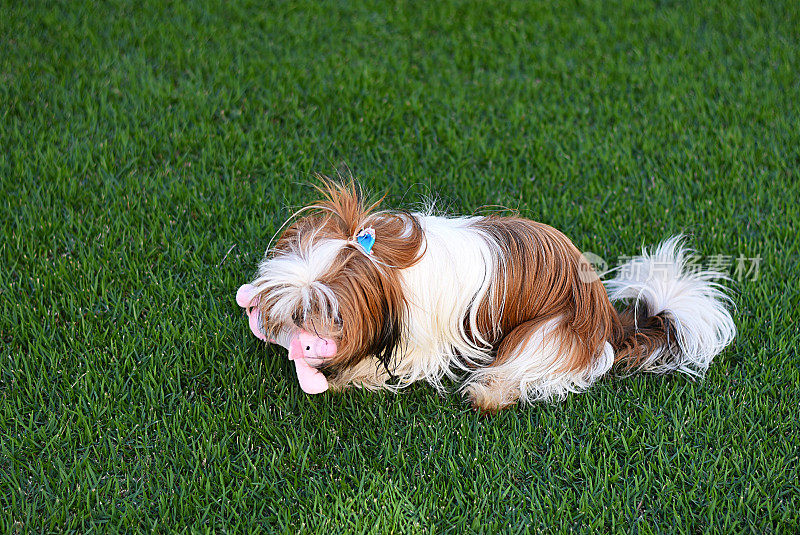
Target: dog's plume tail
[(676, 318)]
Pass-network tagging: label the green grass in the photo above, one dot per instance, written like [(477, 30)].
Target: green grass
[(140, 143)]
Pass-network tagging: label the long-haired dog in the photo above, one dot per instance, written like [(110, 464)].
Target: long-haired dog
[(507, 306)]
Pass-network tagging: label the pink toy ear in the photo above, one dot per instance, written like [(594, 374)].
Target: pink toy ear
[(311, 381), (252, 316), (295, 349), (246, 295)]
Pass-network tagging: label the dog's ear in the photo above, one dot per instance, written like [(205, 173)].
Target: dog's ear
[(371, 311), (387, 339)]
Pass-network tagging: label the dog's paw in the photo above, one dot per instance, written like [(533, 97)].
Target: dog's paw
[(490, 397)]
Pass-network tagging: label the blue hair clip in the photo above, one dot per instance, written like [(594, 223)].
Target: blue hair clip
[(366, 239)]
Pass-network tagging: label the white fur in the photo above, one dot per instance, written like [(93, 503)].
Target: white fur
[(529, 375), (435, 342), (293, 279), (663, 282)]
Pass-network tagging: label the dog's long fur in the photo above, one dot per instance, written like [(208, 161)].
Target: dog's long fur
[(507, 306)]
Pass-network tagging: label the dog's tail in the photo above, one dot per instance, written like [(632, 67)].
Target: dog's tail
[(676, 318)]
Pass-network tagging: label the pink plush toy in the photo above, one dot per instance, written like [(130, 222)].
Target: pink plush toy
[(304, 347)]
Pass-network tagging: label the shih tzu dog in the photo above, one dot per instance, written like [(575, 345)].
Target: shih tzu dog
[(507, 307)]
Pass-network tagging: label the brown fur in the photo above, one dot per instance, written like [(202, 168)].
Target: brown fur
[(372, 306), (641, 336), (544, 276), (540, 279)]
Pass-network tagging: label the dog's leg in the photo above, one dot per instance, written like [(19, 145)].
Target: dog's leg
[(536, 361), (368, 374)]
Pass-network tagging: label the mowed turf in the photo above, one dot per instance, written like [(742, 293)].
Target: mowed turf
[(148, 153)]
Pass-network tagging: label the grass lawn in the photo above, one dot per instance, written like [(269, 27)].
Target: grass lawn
[(148, 152)]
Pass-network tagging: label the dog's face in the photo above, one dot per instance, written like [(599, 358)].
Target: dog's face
[(317, 278)]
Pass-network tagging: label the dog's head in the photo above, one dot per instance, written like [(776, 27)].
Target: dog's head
[(322, 277)]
